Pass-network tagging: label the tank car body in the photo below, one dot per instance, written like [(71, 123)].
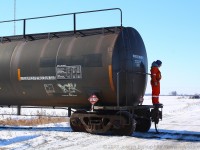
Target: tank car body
[(64, 69)]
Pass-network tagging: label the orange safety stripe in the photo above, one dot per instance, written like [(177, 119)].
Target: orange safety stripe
[(19, 74), (110, 77)]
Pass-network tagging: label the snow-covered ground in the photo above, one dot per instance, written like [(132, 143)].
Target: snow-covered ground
[(179, 129)]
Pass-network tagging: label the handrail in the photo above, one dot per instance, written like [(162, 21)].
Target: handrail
[(74, 18)]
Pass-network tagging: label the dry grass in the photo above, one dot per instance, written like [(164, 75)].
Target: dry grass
[(33, 121)]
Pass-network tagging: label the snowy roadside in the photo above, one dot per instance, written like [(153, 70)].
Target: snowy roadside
[(180, 129)]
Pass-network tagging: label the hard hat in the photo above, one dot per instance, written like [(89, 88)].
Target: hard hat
[(158, 62)]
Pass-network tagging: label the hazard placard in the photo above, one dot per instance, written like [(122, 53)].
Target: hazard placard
[(93, 99)]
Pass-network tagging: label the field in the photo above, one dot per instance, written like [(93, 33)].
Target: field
[(179, 129)]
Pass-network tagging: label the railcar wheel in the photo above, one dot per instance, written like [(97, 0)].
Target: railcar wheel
[(125, 126), (143, 125), (75, 122), (143, 120)]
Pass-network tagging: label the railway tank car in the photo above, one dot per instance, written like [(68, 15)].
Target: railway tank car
[(103, 66), (67, 70)]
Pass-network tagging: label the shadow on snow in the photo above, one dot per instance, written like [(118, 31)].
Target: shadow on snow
[(187, 136), (5, 142)]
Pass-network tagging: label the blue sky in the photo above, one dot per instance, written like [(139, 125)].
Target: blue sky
[(170, 30)]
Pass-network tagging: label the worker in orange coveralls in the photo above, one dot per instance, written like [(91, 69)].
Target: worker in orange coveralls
[(155, 81)]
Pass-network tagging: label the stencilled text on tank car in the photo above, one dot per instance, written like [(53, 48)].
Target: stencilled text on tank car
[(137, 60), (68, 72)]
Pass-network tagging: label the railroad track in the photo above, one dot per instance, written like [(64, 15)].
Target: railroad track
[(13, 128)]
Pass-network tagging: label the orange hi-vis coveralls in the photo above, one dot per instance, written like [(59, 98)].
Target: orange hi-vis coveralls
[(155, 83)]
